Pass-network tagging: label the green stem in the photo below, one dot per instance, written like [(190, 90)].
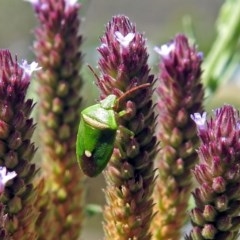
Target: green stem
[(223, 47)]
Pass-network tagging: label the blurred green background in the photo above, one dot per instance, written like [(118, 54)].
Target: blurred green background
[(160, 20)]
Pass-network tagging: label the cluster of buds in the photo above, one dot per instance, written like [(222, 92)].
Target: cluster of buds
[(216, 215), (129, 175), (16, 148), (180, 94), (57, 51)]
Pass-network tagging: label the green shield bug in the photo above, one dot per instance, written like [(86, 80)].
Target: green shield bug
[(97, 132), (96, 136)]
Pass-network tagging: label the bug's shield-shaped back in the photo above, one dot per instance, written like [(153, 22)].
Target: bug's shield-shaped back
[(96, 137)]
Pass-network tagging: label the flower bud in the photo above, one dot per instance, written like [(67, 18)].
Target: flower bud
[(206, 193), (15, 205), (11, 159), (209, 231), (176, 137), (57, 105), (209, 213), (219, 184), (3, 148), (196, 233), (224, 223), (221, 203), (15, 140), (235, 224), (64, 132), (6, 113), (127, 171), (4, 130), (197, 217)]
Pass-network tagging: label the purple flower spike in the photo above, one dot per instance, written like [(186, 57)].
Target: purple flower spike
[(123, 60), (180, 95), (218, 193), (129, 175), (17, 150)]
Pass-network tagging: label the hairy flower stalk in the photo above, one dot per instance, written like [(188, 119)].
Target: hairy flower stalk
[(129, 175), (57, 51), (180, 94), (217, 198), (16, 148)]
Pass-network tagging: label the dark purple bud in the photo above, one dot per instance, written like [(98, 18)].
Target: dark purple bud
[(233, 191), (27, 150), (127, 171), (133, 148), (224, 223), (234, 208), (6, 112), (18, 186), (19, 120), (3, 148), (236, 223), (233, 173), (15, 140), (11, 159)]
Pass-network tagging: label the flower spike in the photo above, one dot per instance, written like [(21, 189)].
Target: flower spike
[(129, 174), (57, 51), (16, 129), (218, 176), (180, 95)]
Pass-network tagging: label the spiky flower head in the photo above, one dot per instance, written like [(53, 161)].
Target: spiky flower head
[(180, 94), (216, 215), (129, 175), (16, 148), (123, 61)]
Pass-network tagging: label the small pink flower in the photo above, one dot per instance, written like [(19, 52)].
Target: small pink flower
[(199, 119), (124, 40), (29, 68), (165, 50)]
